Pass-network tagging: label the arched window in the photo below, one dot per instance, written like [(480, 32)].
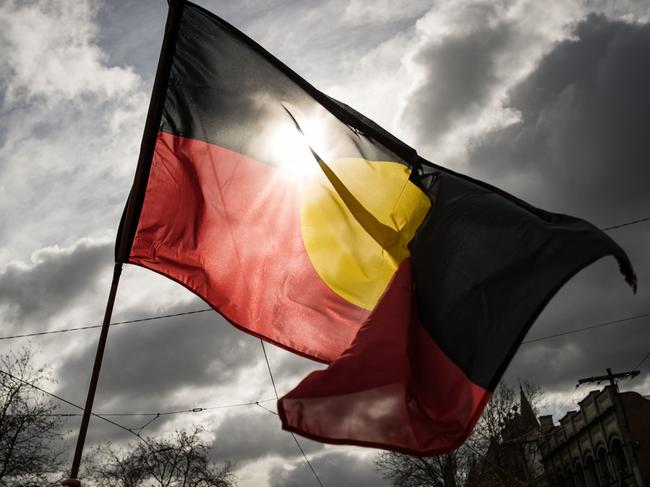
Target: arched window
[(618, 459), (568, 478), (590, 472), (604, 472), (580, 476)]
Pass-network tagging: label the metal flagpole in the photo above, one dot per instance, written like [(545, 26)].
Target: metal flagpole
[(132, 213), (83, 429)]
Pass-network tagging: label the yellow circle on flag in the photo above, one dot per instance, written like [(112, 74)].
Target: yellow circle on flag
[(357, 217)]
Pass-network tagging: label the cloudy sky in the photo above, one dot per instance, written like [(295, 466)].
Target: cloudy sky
[(547, 100)]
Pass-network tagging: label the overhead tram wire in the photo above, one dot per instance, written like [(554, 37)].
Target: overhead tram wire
[(132, 431), (627, 224), (70, 403), (267, 409), (129, 322), (647, 355), (311, 467), (117, 323), (141, 428), (586, 328), (181, 411), (90, 327), (157, 415), (205, 310)]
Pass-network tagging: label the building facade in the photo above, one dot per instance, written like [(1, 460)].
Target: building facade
[(606, 442)]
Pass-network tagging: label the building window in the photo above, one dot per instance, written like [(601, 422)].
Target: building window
[(590, 472), (580, 476), (618, 459), (604, 471), (568, 479)]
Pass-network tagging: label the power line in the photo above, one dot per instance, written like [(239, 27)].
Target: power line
[(306, 459), (181, 411), (627, 224), (152, 318), (90, 327), (133, 431), (70, 403), (204, 310), (157, 415), (268, 366), (586, 328), (103, 417), (141, 428), (192, 410), (641, 363), (311, 467), (267, 409)]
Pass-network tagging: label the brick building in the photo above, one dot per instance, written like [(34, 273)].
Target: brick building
[(606, 442)]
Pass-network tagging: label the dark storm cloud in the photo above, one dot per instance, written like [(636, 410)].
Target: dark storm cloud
[(581, 145), (556, 364), (255, 434), (56, 279), (581, 148), (334, 468), (460, 72), (145, 364)]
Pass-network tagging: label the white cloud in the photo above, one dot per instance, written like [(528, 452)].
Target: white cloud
[(51, 53), (374, 82), (359, 12), (69, 131), (467, 56)]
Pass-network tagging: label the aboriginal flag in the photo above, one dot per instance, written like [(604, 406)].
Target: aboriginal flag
[(305, 224)]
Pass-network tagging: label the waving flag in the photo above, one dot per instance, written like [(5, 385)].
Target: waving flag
[(305, 224)]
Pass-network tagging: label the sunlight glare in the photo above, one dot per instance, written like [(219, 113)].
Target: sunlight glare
[(291, 148)]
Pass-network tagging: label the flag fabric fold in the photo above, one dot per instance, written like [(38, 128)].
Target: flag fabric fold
[(304, 223)]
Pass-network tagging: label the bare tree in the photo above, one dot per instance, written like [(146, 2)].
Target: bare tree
[(506, 437), (412, 471), (489, 457), (503, 406), (28, 425), (181, 460)]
